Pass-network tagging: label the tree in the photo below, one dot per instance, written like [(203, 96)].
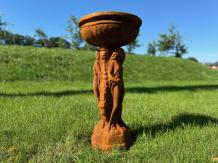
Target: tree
[(28, 40), (3, 31), (74, 32), (18, 39), (58, 42), (151, 48), (172, 43), (42, 37), (2, 24), (7, 36), (132, 46), (62, 43)]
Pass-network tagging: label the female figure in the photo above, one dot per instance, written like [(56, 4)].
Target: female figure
[(115, 77), (100, 85)]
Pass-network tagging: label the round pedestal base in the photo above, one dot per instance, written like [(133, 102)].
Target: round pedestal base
[(106, 138)]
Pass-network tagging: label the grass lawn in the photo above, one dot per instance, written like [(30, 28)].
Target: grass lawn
[(53, 121)]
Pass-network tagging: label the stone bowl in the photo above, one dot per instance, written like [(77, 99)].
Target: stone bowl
[(109, 29)]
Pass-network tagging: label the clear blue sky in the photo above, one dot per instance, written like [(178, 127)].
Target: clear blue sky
[(197, 20)]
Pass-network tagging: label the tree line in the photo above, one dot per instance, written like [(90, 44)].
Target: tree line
[(168, 43), (41, 39)]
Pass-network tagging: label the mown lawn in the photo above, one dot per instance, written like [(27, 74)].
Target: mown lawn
[(53, 122)]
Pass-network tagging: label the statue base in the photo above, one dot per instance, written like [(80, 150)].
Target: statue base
[(106, 138)]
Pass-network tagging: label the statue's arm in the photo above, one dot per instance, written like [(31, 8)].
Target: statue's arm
[(95, 84), (110, 73)]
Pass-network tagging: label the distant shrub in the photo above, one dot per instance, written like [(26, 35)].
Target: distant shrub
[(193, 59)]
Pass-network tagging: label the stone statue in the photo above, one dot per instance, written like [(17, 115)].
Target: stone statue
[(109, 31), (109, 91)]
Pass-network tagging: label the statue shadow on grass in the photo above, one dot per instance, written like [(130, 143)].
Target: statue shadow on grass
[(47, 93), (170, 88), (179, 121), (128, 90)]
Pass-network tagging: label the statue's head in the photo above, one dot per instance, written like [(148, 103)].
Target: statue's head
[(115, 56), (118, 55), (102, 53), (122, 56)]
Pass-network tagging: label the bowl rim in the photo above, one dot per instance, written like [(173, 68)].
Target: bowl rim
[(110, 15)]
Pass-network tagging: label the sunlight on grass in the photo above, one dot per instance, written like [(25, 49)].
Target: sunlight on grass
[(53, 122)]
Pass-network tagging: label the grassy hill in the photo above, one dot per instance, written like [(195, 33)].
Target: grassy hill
[(28, 63), (52, 121)]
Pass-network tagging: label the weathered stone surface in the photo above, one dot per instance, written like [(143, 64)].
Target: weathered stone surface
[(109, 31)]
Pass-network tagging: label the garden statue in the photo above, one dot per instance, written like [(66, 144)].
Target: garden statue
[(109, 31)]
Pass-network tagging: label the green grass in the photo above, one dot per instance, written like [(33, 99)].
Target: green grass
[(52, 122), (48, 111), (28, 63)]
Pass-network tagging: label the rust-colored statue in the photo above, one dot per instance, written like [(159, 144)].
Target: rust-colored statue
[(109, 31)]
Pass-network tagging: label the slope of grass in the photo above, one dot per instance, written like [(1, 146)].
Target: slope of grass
[(53, 122), (28, 63)]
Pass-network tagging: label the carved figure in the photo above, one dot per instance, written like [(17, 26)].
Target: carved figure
[(100, 85), (115, 77)]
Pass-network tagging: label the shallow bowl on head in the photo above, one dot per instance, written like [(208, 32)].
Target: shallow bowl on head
[(109, 29)]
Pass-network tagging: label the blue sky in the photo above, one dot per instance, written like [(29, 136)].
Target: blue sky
[(197, 20)]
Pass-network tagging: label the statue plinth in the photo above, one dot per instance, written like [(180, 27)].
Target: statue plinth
[(109, 31)]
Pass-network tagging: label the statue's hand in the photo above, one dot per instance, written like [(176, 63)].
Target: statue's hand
[(113, 79), (116, 80)]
